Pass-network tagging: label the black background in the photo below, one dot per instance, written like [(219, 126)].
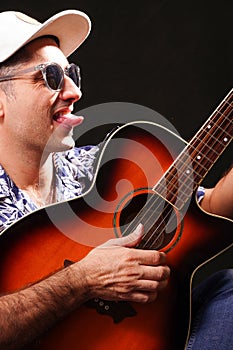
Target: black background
[(174, 56)]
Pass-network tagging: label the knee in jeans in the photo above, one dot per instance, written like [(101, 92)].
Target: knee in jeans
[(223, 280)]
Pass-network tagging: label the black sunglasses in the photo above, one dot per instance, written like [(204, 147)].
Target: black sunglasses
[(53, 74)]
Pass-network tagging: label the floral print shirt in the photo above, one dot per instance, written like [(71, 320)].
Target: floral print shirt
[(74, 171)]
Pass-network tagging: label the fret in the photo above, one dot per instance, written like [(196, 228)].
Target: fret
[(199, 158), (214, 134), (218, 136), (208, 154), (187, 171), (185, 174), (228, 105)]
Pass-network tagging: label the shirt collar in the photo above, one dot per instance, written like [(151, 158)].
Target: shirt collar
[(6, 184)]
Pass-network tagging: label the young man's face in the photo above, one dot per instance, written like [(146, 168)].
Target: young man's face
[(34, 114)]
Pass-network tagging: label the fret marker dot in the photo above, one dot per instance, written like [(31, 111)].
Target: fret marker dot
[(198, 157), (209, 126), (188, 171), (225, 139)]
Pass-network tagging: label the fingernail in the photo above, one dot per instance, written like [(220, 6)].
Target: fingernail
[(139, 228)]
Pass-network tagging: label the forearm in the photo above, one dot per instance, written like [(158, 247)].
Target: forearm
[(112, 271), (219, 200), (27, 314)]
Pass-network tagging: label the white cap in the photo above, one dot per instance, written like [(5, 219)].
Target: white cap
[(71, 27)]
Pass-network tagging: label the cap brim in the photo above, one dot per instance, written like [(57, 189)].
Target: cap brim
[(71, 27)]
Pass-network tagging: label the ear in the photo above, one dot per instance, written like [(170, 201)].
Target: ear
[(2, 103)]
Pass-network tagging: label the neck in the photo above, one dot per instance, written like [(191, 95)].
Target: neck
[(32, 174)]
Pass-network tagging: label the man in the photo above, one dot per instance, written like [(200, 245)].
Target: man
[(38, 89), (36, 110)]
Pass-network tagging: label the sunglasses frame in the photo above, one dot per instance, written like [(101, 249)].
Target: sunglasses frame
[(42, 67)]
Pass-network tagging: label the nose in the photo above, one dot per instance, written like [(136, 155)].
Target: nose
[(70, 90)]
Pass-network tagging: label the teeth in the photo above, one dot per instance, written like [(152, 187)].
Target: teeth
[(60, 115)]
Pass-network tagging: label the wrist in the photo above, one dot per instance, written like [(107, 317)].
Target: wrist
[(81, 282)]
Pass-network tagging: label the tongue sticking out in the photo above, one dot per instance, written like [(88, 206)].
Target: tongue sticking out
[(70, 120)]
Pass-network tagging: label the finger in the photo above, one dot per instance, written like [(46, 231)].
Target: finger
[(159, 273), (149, 257), (140, 296), (151, 286), (162, 285), (128, 241), (134, 238)]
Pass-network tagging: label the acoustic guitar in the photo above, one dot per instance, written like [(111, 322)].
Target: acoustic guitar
[(144, 174)]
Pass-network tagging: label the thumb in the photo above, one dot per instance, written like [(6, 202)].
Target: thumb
[(128, 241)]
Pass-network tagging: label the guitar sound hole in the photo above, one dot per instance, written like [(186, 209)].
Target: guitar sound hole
[(157, 216)]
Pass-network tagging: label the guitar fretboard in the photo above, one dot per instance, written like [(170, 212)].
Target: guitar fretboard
[(188, 170)]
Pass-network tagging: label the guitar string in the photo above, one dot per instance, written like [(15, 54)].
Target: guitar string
[(170, 211), (197, 161), (171, 208), (214, 143), (202, 153), (220, 129), (182, 168)]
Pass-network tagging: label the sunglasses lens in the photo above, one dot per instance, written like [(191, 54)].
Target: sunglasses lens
[(54, 76), (73, 72)]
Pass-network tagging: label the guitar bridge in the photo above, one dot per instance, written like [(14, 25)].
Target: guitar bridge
[(117, 310)]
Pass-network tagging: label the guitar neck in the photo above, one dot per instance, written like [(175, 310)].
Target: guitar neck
[(189, 169)]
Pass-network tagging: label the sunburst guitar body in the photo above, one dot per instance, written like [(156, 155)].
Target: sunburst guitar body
[(144, 174)]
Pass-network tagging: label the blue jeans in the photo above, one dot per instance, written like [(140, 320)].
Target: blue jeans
[(212, 313)]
